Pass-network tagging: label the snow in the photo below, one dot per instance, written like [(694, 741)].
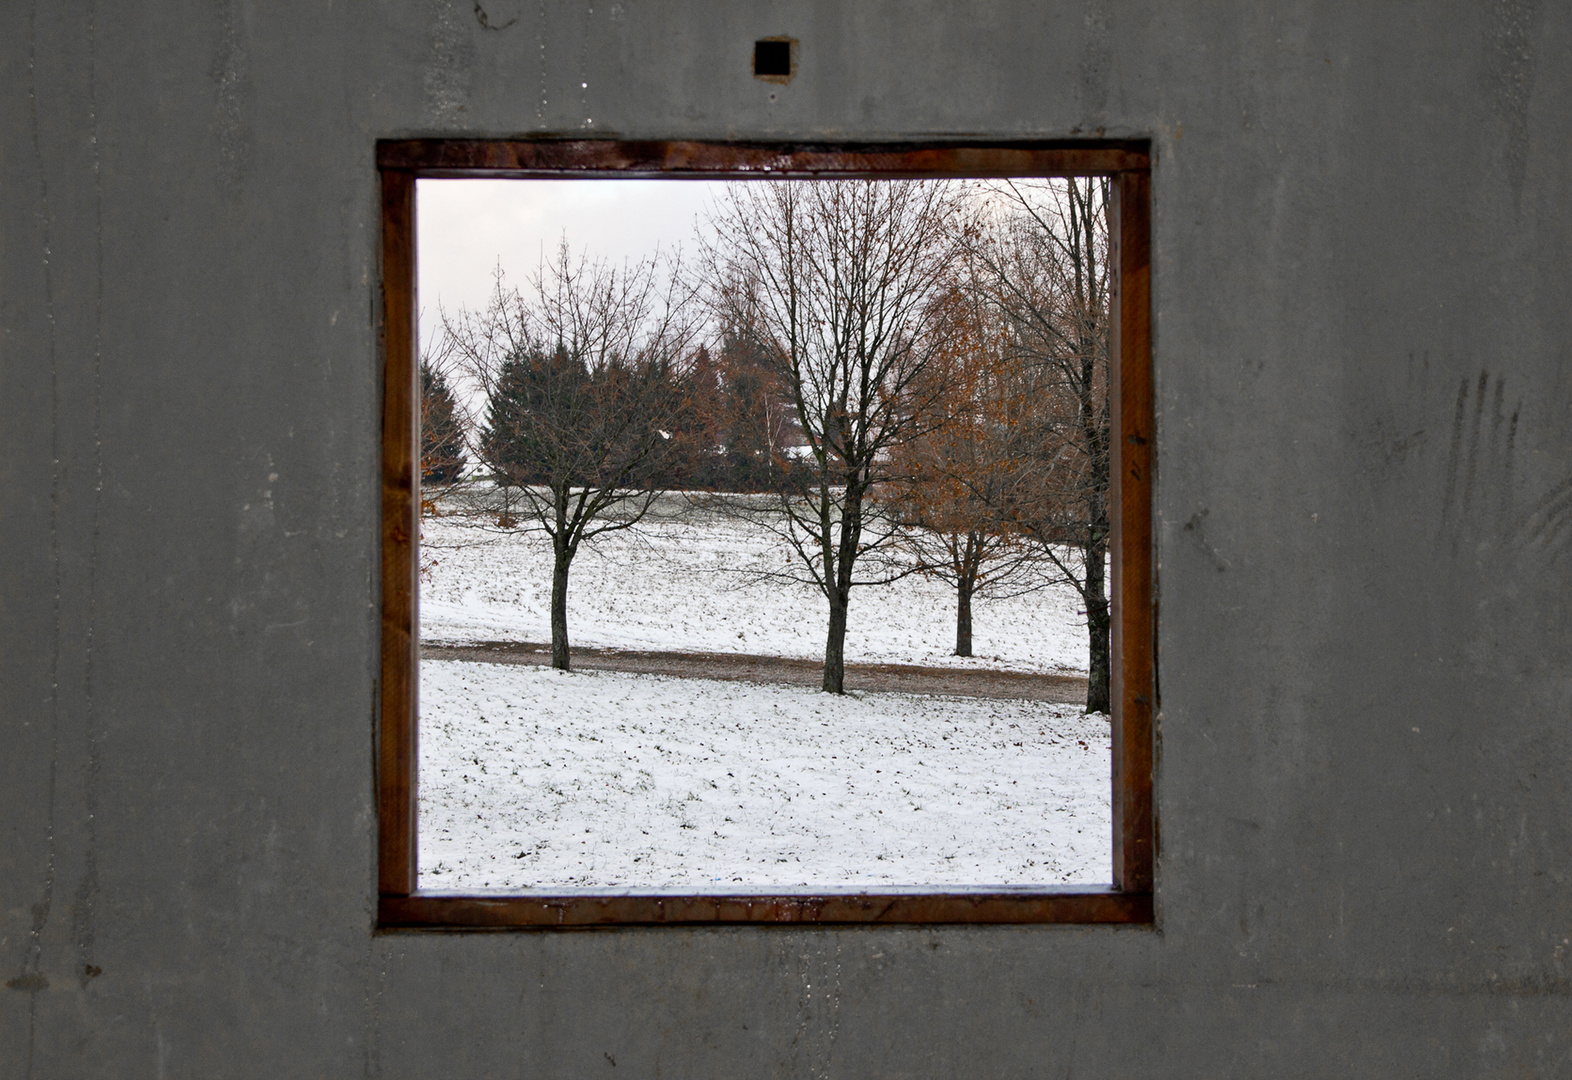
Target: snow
[(683, 585), (534, 779), (538, 779)]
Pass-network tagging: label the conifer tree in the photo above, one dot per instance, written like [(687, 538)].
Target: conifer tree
[(441, 431), (581, 371)]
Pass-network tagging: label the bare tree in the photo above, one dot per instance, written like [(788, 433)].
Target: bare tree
[(1045, 269), (839, 281), (580, 374), (957, 477)]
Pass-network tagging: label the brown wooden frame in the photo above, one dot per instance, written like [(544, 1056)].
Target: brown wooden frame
[(1134, 684)]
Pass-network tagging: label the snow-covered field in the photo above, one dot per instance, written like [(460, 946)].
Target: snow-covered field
[(682, 585), (531, 777)]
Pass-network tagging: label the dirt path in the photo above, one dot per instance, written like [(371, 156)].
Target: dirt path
[(961, 682)]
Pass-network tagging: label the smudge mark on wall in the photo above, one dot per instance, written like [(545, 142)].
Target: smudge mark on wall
[(1549, 524), (486, 22), (1481, 470), (449, 66), (1096, 65), (818, 1012), (1509, 78), (231, 90)]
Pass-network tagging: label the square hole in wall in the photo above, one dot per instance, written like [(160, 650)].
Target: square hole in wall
[(774, 59)]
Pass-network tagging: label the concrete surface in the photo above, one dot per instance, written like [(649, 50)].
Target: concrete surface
[(1361, 279)]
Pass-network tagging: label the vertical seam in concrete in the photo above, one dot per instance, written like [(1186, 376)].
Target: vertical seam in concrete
[(540, 33), (88, 890), (373, 1040), (585, 120), (1511, 73), (34, 957)]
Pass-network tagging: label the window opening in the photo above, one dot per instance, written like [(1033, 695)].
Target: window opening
[(858, 399)]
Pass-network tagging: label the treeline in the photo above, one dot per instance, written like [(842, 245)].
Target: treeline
[(715, 422)]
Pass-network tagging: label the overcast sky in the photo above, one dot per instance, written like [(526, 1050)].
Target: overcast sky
[(466, 227)]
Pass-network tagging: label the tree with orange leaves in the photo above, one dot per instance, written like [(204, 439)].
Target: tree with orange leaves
[(1043, 270), (956, 479)]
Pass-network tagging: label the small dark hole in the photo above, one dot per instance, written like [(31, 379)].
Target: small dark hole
[(772, 58)]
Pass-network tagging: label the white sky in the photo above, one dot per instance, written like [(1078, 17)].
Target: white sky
[(466, 227)]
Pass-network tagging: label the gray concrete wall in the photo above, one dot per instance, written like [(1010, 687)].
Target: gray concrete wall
[(1363, 249)]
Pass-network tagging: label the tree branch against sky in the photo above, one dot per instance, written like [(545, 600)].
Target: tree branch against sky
[(826, 389), (579, 369), (1045, 269), (839, 281)]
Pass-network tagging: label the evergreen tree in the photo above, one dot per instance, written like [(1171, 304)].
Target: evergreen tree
[(535, 419), (441, 432), (584, 380)]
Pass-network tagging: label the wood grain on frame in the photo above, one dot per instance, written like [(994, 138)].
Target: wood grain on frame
[(525, 158), (1018, 906), (396, 757), (1130, 519), (1130, 898)]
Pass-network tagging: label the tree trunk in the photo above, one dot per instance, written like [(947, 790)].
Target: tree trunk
[(966, 571), (559, 604), (835, 651), (840, 584), (963, 615), (1098, 698)]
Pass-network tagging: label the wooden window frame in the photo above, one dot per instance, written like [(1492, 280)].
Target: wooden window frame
[(1129, 899)]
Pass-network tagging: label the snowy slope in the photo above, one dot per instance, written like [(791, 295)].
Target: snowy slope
[(534, 778), (678, 585)]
